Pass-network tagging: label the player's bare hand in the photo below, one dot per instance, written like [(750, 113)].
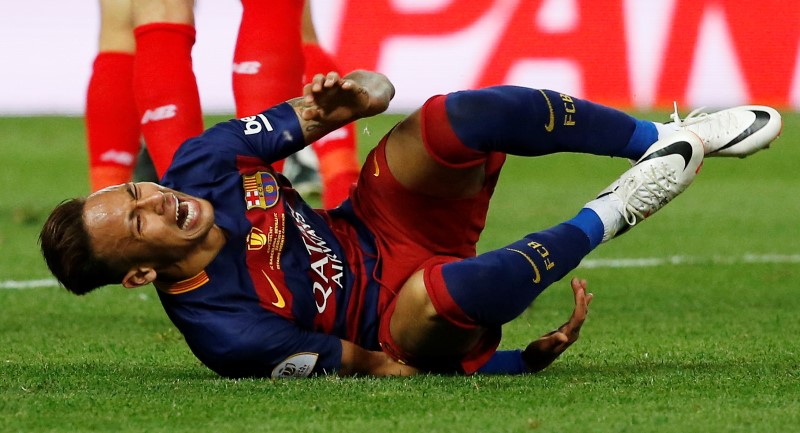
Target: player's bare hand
[(332, 98), (542, 352)]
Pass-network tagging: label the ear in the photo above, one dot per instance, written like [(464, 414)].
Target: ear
[(138, 277)]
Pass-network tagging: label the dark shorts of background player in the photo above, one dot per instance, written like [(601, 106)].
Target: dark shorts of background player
[(415, 231)]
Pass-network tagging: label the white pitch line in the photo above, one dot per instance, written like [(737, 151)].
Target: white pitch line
[(688, 260), (28, 284), (642, 262)]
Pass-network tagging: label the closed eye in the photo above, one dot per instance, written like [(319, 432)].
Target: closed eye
[(133, 191)]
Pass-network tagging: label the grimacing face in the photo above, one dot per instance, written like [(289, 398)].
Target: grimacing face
[(145, 223)]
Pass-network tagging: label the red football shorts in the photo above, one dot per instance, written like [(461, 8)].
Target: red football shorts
[(415, 231)]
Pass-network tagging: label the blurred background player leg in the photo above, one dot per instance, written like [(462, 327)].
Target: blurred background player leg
[(142, 83), (267, 70), (267, 65), (337, 152), (165, 87), (112, 122)]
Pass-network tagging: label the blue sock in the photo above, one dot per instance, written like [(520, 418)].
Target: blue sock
[(497, 286), (531, 122), (505, 362), (590, 224), (643, 136)]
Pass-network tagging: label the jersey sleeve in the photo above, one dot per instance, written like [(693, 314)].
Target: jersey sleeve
[(269, 346), (271, 135)]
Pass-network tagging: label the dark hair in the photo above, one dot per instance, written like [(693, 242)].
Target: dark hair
[(67, 249)]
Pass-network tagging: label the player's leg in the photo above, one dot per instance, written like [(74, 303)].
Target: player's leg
[(336, 152), (443, 145), (451, 310), (112, 122), (531, 122), (463, 302), (461, 128), (267, 60), (164, 82)]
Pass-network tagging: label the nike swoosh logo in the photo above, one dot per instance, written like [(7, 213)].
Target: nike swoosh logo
[(761, 120), (280, 303), (536, 275), (377, 168), (552, 123), (682, 148)]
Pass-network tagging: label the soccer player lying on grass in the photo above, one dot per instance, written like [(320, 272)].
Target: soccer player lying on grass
[(389, 282)]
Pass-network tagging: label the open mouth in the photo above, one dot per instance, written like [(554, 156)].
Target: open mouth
[(185, 213)]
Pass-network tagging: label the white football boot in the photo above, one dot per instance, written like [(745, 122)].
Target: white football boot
[(738, 131), (664, 171)]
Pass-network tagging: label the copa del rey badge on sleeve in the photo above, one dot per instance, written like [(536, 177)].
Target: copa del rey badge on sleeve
[(260, 190)]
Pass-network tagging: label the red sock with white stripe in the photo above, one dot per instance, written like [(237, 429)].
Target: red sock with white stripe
[(267, 65), (112, 122), (166, 89), (337, 153)]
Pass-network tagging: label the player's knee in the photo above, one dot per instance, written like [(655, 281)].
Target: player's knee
[(419, 330), (418, 168), (414, 306), (440, 137), (414, 315)]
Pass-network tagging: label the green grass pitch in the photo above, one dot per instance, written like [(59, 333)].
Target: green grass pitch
[(694, 326)]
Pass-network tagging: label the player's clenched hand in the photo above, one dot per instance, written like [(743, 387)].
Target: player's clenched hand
[(334, 99), (542, 352)]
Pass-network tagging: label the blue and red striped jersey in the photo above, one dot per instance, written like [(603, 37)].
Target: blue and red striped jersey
[(291, 281)]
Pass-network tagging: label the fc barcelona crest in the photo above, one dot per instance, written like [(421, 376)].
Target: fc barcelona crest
[(260, 190)]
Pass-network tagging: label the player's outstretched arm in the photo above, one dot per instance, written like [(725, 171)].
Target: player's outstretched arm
[(542, 352), (359, 361), (330, 101)]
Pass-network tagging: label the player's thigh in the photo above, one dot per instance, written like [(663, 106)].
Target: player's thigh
[(163, 11), (415, 168)]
